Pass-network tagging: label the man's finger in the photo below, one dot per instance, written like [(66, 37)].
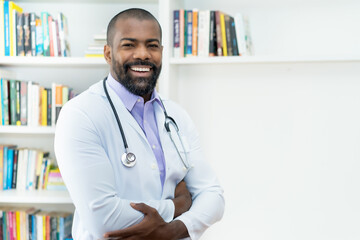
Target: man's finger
[(142, 207)]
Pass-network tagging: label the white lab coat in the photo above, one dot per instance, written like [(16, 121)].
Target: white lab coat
[(88, 148)]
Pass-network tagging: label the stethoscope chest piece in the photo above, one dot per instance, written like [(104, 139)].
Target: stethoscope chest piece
[(128, 159)]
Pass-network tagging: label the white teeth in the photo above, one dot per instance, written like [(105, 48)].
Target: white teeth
[(140, 69)]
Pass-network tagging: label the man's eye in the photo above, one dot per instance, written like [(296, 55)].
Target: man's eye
[(153, 45), (128, 45)]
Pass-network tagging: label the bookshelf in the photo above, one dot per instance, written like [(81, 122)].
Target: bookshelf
[(274, 125)]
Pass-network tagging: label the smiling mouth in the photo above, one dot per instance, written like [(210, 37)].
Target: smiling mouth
[(140, 69)]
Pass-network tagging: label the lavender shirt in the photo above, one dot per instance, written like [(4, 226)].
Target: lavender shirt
[(144, 114)]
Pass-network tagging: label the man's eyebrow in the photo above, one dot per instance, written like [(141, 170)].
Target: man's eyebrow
[(135, 40)]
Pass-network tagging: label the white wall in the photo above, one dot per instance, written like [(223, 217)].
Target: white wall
[(284, 140)]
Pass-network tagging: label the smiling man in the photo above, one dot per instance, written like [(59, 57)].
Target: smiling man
[(131, 161)]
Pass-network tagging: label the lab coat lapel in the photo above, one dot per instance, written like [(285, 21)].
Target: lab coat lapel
[(124, 115)]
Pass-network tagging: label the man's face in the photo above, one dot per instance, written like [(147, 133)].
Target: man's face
[(136, 55)]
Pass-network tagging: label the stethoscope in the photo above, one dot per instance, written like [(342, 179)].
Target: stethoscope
[(128, 158)]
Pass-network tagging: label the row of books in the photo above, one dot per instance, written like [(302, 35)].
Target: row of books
[(96, 48), (28, 169), (210, 33), (30, 223), (28, 103), (29, 34)]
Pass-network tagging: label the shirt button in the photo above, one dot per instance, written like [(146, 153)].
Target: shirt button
[(153, 146), (145, 121), (153, 166), (139, 100)]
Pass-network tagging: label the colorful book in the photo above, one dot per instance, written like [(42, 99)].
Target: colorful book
[(176, 36), (219, 42), (14, 9), (12, 101), (2, 31), (233, 37), (182, 31), (33, 33), (228, 35), (223, 34), (23, 102), (1, 170), (5, 101), (48, 106), (20, 36), (10, 166), (18, 84), (7, 28), (27, 34), (43, 106), (212, 41), (189, 26), (195, 14), (15, 169), (39, 37), (45, 32)]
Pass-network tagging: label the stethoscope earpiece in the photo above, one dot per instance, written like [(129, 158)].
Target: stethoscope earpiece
[(128, 159)]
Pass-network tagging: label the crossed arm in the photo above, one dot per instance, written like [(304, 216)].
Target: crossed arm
[(153, 226)]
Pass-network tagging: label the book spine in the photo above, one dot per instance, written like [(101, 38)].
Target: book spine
[(219, 43), (51, 36), (46, 36), (15, 169), (27, 34), (1, 170), (5, 102), (228, 35), (49, 106), (189, 37), (18, 85), (2, 31), (58, 100), (12, 98), (176, 36), (5, 157), (14, 11), (195, 32), (223, 34), (33, 33), (233, 37), (213, 42), (20, 39), (39, 37), (23, 102), (7, 27), (57, 34), (204, 33), (10, 167), (44, 107), (181, 32)]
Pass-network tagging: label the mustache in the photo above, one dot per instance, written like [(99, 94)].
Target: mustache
[(147, 63)]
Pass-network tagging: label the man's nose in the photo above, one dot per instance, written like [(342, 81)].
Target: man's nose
[(141, 52)]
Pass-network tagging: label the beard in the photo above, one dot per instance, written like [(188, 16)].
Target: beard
[(139, 86)]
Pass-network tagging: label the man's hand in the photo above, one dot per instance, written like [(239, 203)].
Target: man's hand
[(182, 199), (152, 227)]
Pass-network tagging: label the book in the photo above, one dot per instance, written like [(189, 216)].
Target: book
[(212, 34), (240, 33), (18, 84), (12, 101), (1, 168), (195, 14), (228, 35), (20, 36), (7, 28), (44, 106), (1, 103), (2, 26), (182, 31), (14, 9), (57, 36), (5, 102), (48, 106), (234, 41), (27, 34), (204, 33), (39, 37), (10, 166), (23, 102), (58, 100), (189, 26), (176, 35), (219, 38), (223, 34), (15, 169), (33, 33), (51, 36), (45, 32)]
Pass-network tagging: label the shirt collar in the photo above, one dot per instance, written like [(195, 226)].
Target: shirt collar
[(129, 99)]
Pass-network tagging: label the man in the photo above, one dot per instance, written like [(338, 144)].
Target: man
[(145, 198)]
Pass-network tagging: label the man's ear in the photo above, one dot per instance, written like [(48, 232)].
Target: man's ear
[(107, 54)]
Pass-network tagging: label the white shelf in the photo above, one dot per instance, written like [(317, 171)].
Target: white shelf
[(36, 196), (90, 1), (27, 130), (262, 59), (52, 61)]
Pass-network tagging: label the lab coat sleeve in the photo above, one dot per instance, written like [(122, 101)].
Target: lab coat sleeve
[(89, 177), (207, 195)]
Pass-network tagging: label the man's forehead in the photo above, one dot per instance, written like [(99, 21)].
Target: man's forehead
[(134, 28)]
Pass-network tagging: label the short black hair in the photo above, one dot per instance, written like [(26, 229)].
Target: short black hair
[(137, 13)]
